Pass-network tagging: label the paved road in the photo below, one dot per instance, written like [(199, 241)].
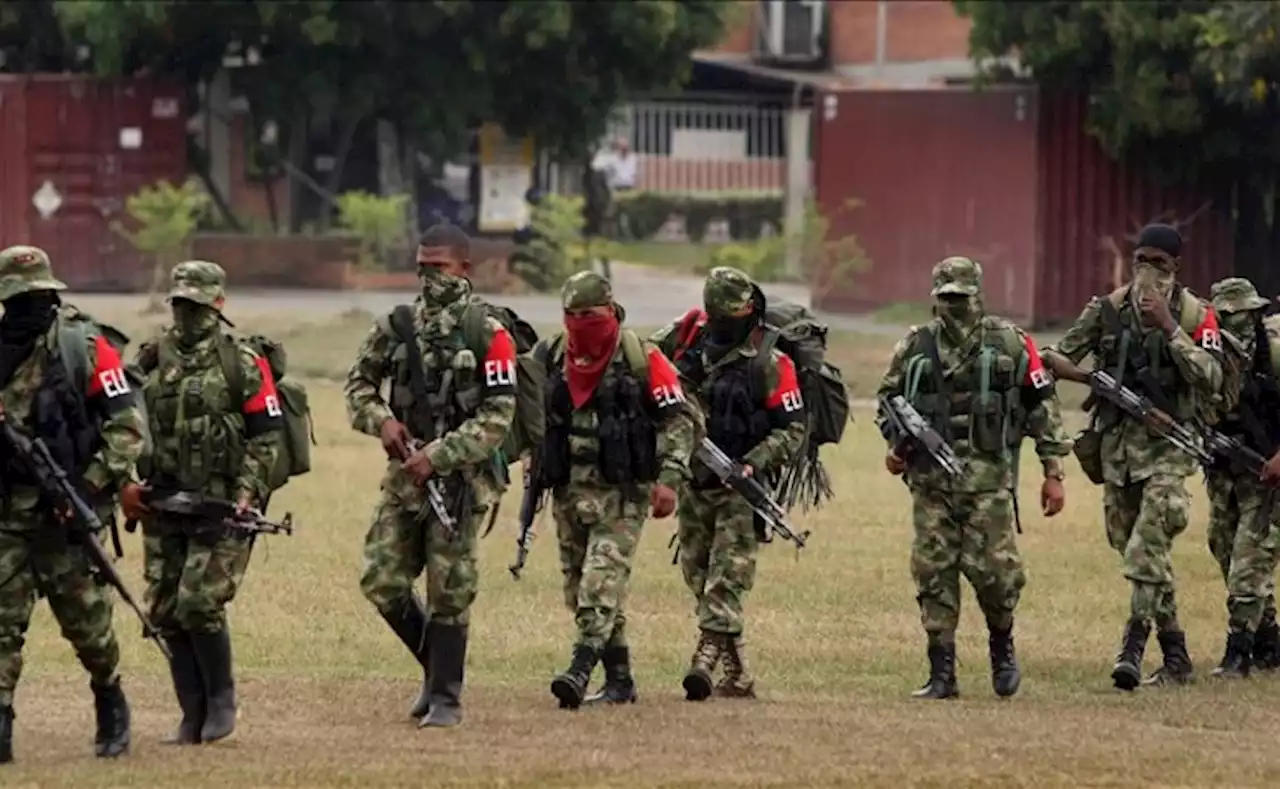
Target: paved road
[(651, 297)]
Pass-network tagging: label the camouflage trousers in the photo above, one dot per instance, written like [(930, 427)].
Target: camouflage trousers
[(1245, 554), (598, 529), (35, 564), (1142, 520), (401, 543), (969, 534), (192, 576), (718, 548)]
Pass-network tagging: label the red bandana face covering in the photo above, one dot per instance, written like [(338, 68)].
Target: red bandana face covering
[(592, 342)]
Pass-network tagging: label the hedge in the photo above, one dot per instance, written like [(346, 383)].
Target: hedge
[(644, 213)]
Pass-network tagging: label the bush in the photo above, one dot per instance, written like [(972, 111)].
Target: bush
[(556, 248), (826, 263), (643, 213), (167, 217), (379, 223)]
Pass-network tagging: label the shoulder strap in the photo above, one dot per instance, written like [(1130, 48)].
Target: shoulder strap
[(229, 355), (73, 345), (634, 352), (473, 329), (687, 331), (929, 347), (402, 325)]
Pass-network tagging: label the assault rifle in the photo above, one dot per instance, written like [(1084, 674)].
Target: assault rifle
[(435, 495), (1241, 455), (209, 508), (52, 478), (908, 430), (1105, 385), (731, 473), (530, 504)]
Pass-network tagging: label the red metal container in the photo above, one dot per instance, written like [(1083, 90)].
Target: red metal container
[(1007, 176), (72, 150)]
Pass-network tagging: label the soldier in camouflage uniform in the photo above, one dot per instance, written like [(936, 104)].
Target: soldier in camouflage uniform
[(211, 441), (980, 382), (1160, 340), (471, 398), (87, 415), (1246, 549), (755, 414), (618, 439)]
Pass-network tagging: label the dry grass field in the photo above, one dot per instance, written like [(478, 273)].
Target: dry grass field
[(834, 636)]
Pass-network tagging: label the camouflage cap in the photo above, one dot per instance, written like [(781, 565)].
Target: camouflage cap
[(727, 290), (1236, 294), (24, 269), (584, 290), (957, 275), (199, 281)]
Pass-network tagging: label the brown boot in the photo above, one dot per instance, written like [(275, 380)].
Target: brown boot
[(738, 682), (697, 682)]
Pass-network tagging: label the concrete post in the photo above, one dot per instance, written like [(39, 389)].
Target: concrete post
[(797, 186)]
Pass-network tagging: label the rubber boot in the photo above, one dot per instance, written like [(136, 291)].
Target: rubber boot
[(619, 686), (942, 682), (1177, 668), (409, 621), (188, 686), (570, 686), (6, 735), (1005, 674), (213, 653), (1266, 643), (1127, 673), (737, 682), (112, 712), (1237, 659), (448, 670), (697, 682)]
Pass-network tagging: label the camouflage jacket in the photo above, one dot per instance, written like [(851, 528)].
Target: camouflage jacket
[(1015, 377), (471, 446), (107, 398), (204, 442), (1131, 451), (782, 401)]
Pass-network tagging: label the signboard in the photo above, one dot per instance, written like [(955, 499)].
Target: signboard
[(506, 173)]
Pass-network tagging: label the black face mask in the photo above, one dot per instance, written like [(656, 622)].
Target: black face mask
[(725, 333), (27, 317)]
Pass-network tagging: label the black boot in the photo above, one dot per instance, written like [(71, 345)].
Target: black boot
[(1177, 668), (619, 686), (942, 674), (448, 668), (213, 653), (1237, 660), (188, 686), (112, 711), (6, 735), (1005, 676), (1127, 673), (409, 621), (571, 685), (1266, 644)]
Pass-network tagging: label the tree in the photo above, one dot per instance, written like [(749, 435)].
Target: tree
[(1172, 85)]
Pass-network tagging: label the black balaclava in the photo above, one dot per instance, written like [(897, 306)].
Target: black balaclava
[(27, 317)]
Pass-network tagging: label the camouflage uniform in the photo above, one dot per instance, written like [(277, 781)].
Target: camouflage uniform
[(718, 530), (36, 557), (992, 389), (1246, 551), (406, 536), (598, 523), (1145, 497), (206, 443)]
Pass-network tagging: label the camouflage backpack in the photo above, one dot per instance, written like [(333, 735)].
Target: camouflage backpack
[(75, 333)]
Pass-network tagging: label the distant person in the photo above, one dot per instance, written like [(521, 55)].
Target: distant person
[(620, 166)]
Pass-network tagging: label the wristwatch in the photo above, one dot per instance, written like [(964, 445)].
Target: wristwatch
[(1057, 474)]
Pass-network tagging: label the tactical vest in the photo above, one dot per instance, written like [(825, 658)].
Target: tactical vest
[(197, 429), (977, 406), (1141, 360), (734, 397), (437, 392), (1255, 419), (621, 440)]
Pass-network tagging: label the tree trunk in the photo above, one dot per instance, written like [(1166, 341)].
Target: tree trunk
[(299, 146), (333, 183), (1251, 232), (201, 166)]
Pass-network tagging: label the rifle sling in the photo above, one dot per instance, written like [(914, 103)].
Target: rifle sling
[(402, 324)]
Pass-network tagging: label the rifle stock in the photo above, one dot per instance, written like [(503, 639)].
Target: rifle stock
[(35, 455)]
